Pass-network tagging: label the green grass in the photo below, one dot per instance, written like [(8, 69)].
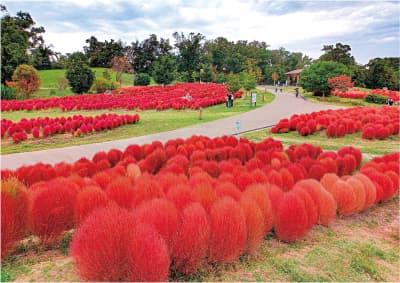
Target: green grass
[(151, 121), (49, 78), (374, 147)]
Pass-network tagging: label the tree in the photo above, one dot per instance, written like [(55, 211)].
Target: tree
[(341, 83), (42, 57), (26, 80), (18, 35), (143, 54), (315, 78), (233, 83), (142, 79), (164, 70), (248, 81), (190, 51), (380, 74), (275, 76), (78, 73), (120, 65), (101, 54), (339, 53)]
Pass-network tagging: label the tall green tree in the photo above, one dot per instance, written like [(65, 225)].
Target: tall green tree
[(248, 81), (233, 83), (190, 51), (339, 53), (143, 54), (18, 35), (164, 70), (78, 73), (101, 54), (380, 74), (315, 78)]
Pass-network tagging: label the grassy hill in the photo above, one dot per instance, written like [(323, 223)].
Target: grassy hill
[(49, 81)]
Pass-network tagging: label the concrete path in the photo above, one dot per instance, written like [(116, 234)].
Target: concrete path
[(284, 105)]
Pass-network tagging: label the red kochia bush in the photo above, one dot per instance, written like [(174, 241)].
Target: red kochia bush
[(291, 218), (345, 198), (192, 240), (370, 191), (88, 200), (99, 246), (52, 209), (260, 197), (254, 222), (228, 231), (121, 191), (146, 188), (324, 201), (162, 214), (148, 258), (14, 214)]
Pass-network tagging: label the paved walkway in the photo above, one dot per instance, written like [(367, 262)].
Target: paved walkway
[(284, 105)]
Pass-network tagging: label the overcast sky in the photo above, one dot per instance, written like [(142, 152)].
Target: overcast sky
[(371, 28)]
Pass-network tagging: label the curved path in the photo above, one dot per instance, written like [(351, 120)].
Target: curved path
[(284, 105)]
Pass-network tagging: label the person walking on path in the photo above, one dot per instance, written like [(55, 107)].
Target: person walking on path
[(297, 92)]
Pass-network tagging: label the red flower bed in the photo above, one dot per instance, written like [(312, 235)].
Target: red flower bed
[(361, 94), (192, 208), (77, 124), (373, 122), (179, 96)]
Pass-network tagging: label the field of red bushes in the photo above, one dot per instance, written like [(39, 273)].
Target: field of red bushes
[(178, 96), (361, 94), (76, 125), (372, 122), (150, 209)]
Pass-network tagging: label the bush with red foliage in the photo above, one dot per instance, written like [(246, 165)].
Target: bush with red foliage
[(14, 214), (162, 214), (228, 231), (52, 209), (291, 218), (146, 188), (192, 239), (108, 230), (345, 198), (120, 190), (259, 195), (324, 201), (255, 224), (147, 255), (341, 83), (88, 199)]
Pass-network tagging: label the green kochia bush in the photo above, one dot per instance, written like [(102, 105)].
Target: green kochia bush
[(374, 98)]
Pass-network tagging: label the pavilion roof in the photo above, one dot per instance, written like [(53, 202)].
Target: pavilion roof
[(294, 72)]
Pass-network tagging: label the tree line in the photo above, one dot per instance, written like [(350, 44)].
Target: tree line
[(191, 57)]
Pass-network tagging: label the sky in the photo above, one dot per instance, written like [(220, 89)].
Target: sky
[(371, 28)]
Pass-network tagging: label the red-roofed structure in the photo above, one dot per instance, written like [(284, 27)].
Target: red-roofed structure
[(293, 76)]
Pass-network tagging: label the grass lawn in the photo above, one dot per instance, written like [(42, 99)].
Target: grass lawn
[(48, 80), (151, 121), (363, 247), (374, 147)]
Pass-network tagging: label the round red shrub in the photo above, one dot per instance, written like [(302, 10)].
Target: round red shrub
[(227, 189), (181, 196), (258, 194), (146, 188), (324, 201), (88, 199), (275, 194), (255, 224), (345, 198), (108, 230), (291, 218), (329, 180), (316, 171), (14, 214), (205, 195), (52, 209), (368, 133), (121, 191), (228, 231), (162, 214), (192, 239), (370, 191), (359, 190)]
